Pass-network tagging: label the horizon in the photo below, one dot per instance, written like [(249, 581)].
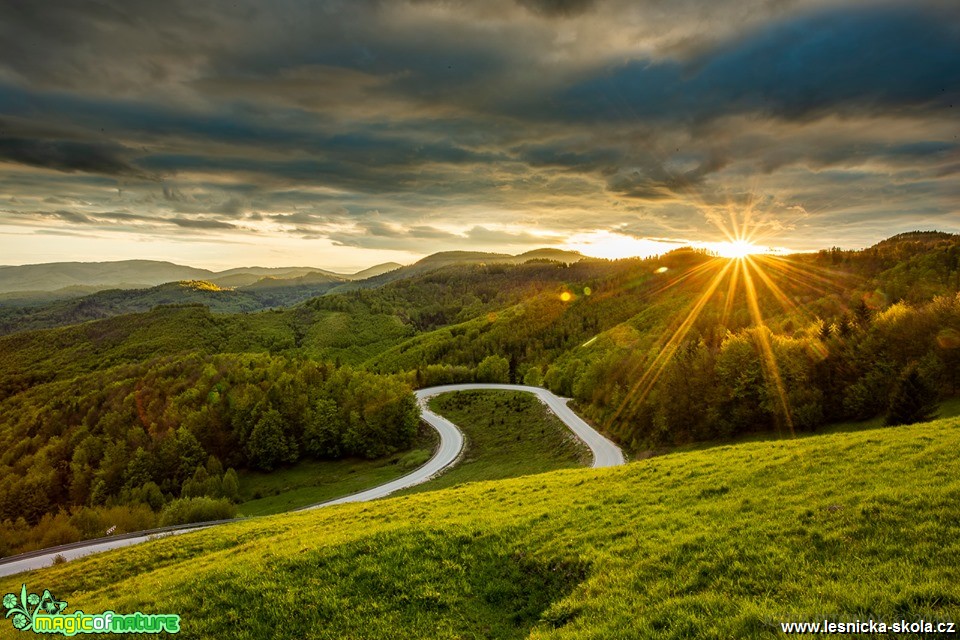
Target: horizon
[(365, 133), (219, 269), (714, 248)]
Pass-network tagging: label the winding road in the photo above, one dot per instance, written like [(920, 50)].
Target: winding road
[(605, 454)]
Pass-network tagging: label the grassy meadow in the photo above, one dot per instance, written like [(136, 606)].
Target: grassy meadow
[(721, 543), (312, 481)]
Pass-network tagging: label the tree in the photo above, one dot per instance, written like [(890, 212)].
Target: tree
[(533, 377), (140, 469), (231, 485), (913, 399), (268, 447), (494, 369), (190, 454), (324, 430)]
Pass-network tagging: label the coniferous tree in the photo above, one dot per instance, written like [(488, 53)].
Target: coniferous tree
[(231, 486), (913, 400)]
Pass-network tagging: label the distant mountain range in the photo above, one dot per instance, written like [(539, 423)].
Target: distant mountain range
[(448, 258), (61, 280), (79, 278), (58, 294)]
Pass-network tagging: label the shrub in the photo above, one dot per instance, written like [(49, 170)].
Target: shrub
[(414, 459), (187, 510), (494, 369)]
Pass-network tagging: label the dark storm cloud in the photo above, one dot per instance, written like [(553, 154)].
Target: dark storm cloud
[(654, 182), (309, 115), (564, 8), (853, 62), (67, 155)]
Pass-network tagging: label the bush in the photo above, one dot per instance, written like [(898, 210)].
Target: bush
[(414, 459), (187, 510), (533, 377), (494, 369)]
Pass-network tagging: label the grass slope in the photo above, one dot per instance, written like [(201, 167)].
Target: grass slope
[(311, 481), (717, 544)]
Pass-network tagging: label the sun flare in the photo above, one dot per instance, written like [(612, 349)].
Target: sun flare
[(737, 249)]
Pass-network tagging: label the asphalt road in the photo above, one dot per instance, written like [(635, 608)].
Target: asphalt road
[(605, 454)]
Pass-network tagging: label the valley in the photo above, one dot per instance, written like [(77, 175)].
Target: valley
[(188, 412)]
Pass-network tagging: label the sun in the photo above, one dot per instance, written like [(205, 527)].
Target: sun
[(737, 249)]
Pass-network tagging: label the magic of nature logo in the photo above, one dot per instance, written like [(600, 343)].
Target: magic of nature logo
[(43, 613)]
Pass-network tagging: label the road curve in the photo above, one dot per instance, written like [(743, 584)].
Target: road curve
[(451, 443), (605, 454)]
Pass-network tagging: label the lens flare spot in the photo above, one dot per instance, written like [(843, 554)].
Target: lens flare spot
[(662, 270), (566, 296)]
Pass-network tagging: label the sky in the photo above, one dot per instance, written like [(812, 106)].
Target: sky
[(342, 134)]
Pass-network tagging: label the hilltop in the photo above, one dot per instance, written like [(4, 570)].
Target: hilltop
[(24, 284), (36, 297)]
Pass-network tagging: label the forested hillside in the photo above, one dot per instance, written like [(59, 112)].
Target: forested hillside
[(681, 348), (141, 436), (263, 293)]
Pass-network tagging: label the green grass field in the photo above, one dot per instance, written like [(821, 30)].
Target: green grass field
[(311, 481), (722, 543), (508, 434)]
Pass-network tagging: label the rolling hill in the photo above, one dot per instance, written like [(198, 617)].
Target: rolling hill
[(678, 349), (236, 290), (37, 283), (126, 274), (726, 542)]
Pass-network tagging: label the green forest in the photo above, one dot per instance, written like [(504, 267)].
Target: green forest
[(147, 418), (167, 435)]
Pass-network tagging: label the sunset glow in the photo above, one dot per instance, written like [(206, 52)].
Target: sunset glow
[(736, 249)]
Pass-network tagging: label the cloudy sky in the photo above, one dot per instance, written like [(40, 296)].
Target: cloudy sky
[(350, 132)]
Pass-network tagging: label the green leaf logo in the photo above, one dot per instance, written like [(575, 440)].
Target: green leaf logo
[(24, 608)]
